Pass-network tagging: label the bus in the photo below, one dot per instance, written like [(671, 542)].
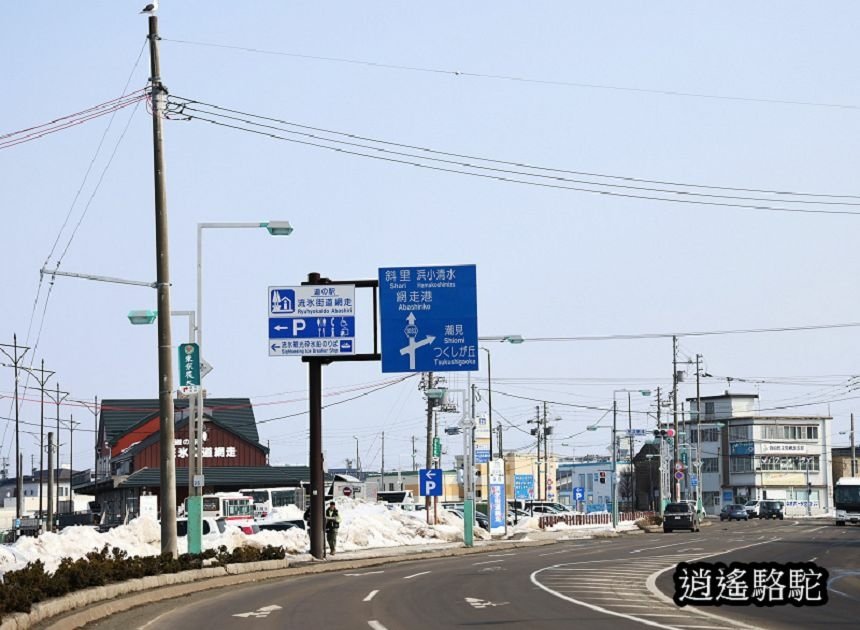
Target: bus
[(231, 506), (846, 499), (265, 500)]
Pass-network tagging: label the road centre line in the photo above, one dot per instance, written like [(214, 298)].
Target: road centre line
[(365, 573), (409, 577), (373, 623), (497, 555), (370, 595), (487, 562)]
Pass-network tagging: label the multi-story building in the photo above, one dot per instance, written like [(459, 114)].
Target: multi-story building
[(736, 454)]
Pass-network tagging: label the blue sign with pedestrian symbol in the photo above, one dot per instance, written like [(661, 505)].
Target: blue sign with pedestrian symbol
[(430, 482), (429, 318)]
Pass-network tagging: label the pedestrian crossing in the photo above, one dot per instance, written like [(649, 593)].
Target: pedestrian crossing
[(623, 590)]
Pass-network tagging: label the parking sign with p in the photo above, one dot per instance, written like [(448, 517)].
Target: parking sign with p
[(430, 482)]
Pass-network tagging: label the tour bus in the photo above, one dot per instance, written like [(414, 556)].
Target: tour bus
[(266, 499), (846, 498)]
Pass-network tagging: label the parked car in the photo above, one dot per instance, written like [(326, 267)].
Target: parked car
[(547, 507), (210, 526), (752, 508), (457, 509), (680, 516), (733, 512), (770, 509)]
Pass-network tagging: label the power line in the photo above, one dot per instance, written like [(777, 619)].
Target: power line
[(687, 196), (352, 136), (521, 79)]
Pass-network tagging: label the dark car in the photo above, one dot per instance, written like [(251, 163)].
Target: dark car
[(680, 516), (733, 511), (770, 509)]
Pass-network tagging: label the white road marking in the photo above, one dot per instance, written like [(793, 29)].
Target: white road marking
[(365, 573), (686, 542), (409, 577), (260, 613), (813, 559), (498, 555), (152, 621), (819, 528), (483, 603), (373, 623), (487, 562), (370, 595)]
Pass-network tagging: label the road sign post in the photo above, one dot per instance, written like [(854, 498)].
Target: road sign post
[(429, 319)]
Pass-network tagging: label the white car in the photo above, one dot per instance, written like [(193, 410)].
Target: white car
[(752, 508)]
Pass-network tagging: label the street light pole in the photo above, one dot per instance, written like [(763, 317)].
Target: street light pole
[(614, 464), (489, 398), (195, 500)]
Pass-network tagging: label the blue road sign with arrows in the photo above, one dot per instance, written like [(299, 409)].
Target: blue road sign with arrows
[(430, 482), (311, 320), (429, 318), (579, 494)]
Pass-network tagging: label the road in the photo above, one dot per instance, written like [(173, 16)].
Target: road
[(601, 584)]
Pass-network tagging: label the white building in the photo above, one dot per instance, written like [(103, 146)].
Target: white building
[(739, 454)]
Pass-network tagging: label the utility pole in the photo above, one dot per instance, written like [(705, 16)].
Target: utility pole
[(58, 398), (699, 440), (428, 461), (71, 460), (614, 489), (661, 459), (96, 439), (631, 492), (676, 495), (413, 454), (545, 455), (19, 484), (853, 452), (167, 466), (51, 482), (382, 472), (42, 378)]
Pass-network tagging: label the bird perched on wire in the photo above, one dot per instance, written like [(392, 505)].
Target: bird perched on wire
[(151, 8)]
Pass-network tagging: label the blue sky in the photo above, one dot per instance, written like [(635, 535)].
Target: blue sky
[(550, 263)]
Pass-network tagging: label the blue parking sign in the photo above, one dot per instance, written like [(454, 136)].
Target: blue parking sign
[(430, 482)]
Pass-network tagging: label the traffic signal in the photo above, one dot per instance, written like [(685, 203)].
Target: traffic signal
[(602, 476), (664, 433)]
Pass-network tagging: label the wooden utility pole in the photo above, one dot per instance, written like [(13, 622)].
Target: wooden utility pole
[(162, 278), (19, 484)]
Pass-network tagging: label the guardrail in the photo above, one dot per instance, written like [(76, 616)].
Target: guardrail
[(588, 519)]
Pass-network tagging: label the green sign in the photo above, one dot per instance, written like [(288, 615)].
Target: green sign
[(437, 447), (684, 457), (189, 366)]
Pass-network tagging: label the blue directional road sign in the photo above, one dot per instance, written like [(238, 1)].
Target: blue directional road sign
[(482, 455), (430, 482), (579, 494), (311, 320), (694, 481), (429, 318)]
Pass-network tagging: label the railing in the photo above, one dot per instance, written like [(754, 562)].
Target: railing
[(588, 519)]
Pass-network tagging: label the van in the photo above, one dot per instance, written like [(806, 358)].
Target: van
[(396, 496), (752, 508)]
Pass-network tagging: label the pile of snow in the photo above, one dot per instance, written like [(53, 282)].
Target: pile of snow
[(363, 525)]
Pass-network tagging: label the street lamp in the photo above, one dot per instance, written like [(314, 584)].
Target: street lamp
[(195, 501), (357, 461)]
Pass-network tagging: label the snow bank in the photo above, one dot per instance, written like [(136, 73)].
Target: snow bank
[(363, 525)]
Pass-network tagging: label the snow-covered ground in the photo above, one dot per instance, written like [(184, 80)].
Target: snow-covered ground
[(364, 525)]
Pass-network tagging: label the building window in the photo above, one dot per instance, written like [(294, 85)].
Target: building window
[(740, 433), (789, 432), (710, 465), (791, 464), (740, 464), (709, 410)]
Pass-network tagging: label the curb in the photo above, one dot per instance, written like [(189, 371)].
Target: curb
[(92, 604)]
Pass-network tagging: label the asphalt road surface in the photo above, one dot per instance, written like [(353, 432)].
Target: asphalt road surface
[(603, 583)]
